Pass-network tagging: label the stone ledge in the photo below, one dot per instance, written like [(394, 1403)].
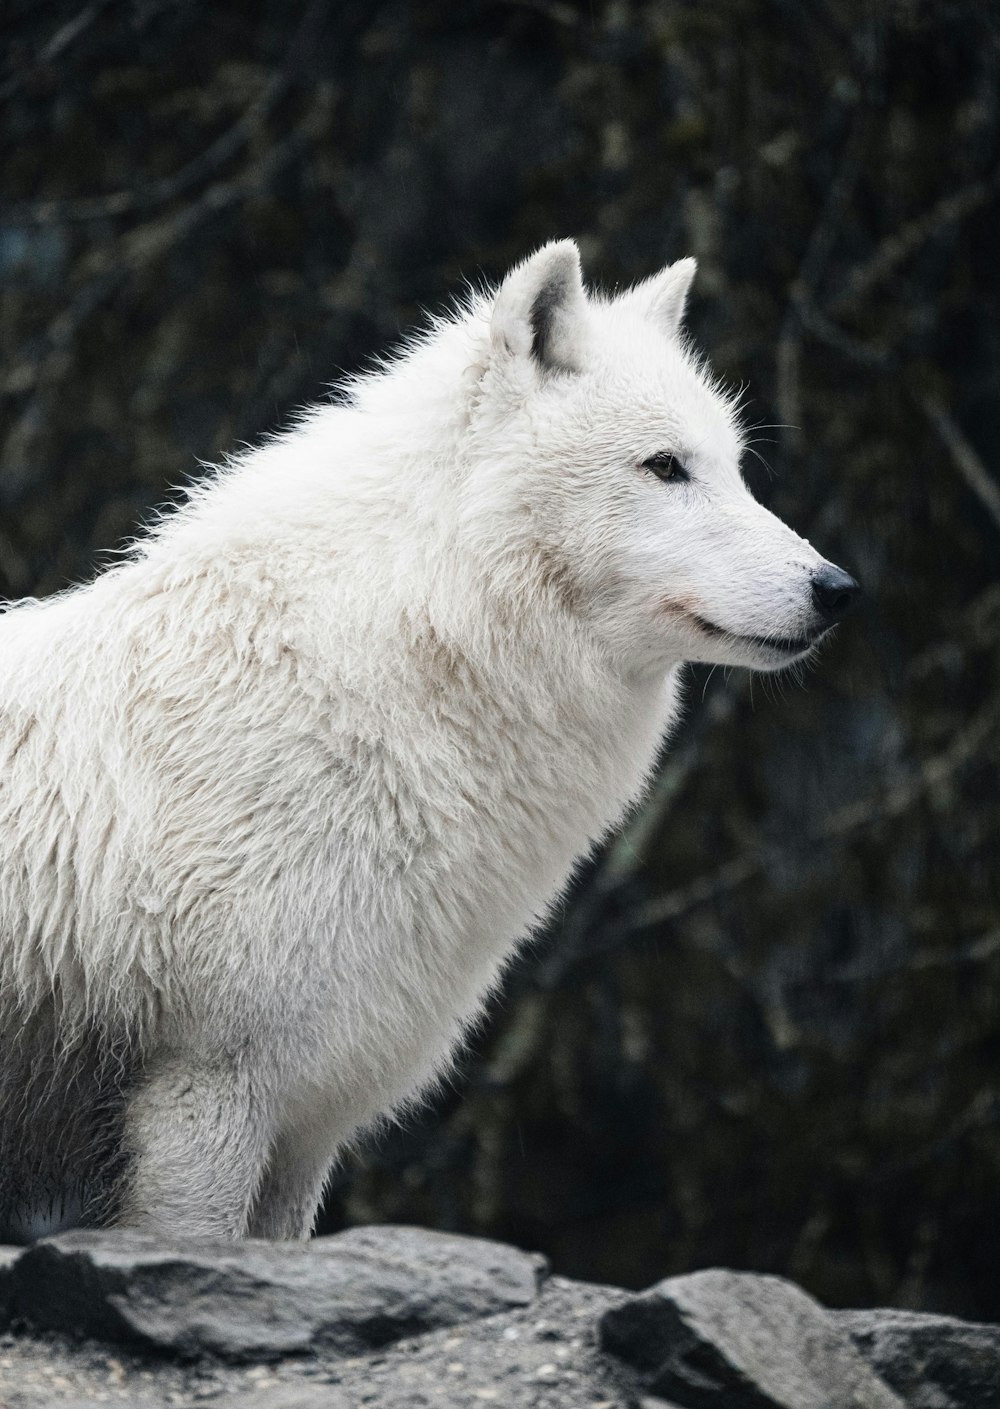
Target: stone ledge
[(345, 1294), (395, 1317)]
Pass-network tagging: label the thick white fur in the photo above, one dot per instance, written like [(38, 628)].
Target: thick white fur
[(280, 793)]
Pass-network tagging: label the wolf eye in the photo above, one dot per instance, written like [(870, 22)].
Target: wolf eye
[(666, 466)]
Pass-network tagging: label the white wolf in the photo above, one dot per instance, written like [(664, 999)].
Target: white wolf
[(280, 793)]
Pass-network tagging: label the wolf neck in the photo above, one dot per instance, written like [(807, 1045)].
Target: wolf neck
[(362, 511)]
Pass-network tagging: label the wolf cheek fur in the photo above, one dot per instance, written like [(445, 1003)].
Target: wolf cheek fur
[(280, 794)]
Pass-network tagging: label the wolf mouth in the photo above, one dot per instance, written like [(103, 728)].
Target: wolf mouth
[(782, 645)]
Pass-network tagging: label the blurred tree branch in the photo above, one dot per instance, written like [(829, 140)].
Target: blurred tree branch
[(44, 365), (64, 37), (194, 172), (964, 457), (814, 261), (894, 251), (890, 801)]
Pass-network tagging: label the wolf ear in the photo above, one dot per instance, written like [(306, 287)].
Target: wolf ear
[(663, 296), (541, 309)]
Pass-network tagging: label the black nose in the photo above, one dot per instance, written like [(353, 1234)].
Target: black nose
[(834, 592)]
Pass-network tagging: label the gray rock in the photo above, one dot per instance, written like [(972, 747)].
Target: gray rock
[(345, 1294), (402, 1316), (145, 1402), (934, 1362), (280, 1397), (284, 1397), (759, 1341), (540, 1356)]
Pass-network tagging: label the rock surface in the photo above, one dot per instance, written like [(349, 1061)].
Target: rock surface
[(401, 1318), (759, 1341), (934, 1362), (255, 1301)]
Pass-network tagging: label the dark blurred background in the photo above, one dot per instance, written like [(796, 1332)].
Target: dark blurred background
[(763, 1030)]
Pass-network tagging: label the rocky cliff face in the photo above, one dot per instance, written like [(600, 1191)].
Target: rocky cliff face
[(403, 1317)]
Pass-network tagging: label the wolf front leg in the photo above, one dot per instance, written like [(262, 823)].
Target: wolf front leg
[(290, 1193), (196, 1133)]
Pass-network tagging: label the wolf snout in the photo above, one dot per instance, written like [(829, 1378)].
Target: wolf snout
[(834, 593)]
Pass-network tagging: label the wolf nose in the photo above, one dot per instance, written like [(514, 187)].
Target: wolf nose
[(834, 592)]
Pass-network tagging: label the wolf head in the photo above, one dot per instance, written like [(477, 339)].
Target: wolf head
[(613, 450)]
